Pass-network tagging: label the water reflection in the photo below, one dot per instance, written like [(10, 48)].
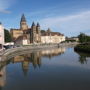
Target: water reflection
[(3, 74), (83, 57), (35, 58), (26, 60)]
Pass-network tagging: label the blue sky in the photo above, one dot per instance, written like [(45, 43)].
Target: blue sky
[(69, 17)]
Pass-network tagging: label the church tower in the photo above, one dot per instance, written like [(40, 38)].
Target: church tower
[(23, 23), (33, 33), (38, 33)]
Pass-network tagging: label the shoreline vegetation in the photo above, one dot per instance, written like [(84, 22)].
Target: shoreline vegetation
[(83, 47), (85, 43)]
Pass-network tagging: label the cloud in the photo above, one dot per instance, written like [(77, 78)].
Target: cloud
[(5, 5), (5, 11), (70, 25)]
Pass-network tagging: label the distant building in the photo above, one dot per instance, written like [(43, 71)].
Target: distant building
[(1, 35), (73, 39), (52, 37), (33, 35)]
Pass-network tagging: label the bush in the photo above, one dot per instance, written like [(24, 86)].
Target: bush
[(83, 47), (83, 38)]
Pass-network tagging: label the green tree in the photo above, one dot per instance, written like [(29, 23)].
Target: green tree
[(43, 31), (84, 38), (7, 36)]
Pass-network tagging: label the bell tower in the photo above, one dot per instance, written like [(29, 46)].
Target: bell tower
[(33, 33), (38, 33), (23, 23)]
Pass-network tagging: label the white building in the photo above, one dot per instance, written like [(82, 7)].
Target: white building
[(1, 35), (52, 37)]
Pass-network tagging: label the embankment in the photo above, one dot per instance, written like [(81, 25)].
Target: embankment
[(9, 53)]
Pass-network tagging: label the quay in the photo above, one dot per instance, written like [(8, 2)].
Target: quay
[(9, 53)]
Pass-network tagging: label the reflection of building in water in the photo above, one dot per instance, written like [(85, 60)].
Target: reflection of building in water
[(53, 52), (35, 58), (25, 67), (26, 60), (2, 75)]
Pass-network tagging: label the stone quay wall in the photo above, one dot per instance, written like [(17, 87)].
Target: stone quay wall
[(9, 53)]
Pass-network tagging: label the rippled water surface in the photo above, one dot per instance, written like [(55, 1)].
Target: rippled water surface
[(54, 69)]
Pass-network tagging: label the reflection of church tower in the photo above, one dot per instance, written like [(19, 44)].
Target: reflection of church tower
[(23, 23), (25, 67), (33, 33), (36, 59), (38, 33)]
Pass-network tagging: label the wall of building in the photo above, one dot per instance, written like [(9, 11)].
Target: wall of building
[(25, 42), (19, 42), (52, 39), (16, 33), (1, 34)]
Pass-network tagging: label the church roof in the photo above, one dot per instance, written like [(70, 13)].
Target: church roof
[(33, 24), (38, 25), (51, 33), (23, 18)]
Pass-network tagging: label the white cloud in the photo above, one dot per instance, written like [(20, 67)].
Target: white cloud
[(70, 25), (4, 5)]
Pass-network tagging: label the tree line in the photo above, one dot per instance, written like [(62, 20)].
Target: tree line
[(7, 36), (83, 38)]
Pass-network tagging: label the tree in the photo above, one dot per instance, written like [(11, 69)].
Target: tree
[(84, 38), (43, 31), (7, 36)]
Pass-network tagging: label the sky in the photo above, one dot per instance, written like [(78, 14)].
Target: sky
[(69, 17)]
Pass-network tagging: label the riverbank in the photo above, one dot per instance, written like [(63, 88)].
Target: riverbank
[(83, 48), (32, 48)]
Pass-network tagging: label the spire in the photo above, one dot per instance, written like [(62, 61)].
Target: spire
[(38, 25), (23, 18), (33, 24)]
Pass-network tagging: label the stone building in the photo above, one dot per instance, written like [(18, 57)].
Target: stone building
[(52, 37), (32, 35), (26, 35), (1, 36)]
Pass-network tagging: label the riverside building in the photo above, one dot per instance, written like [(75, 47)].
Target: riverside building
[(1, 36), (26, 35)]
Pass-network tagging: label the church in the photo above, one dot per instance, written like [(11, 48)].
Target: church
[(33, 35)]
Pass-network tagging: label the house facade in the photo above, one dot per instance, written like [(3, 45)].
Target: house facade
[(1, 35)]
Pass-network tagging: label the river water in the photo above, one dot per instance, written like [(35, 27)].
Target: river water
[(54, 69)]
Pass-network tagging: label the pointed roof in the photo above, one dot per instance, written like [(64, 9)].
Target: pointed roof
[(38, 25), (23, 18), (33, 24)]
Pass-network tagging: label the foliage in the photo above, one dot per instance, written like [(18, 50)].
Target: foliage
[(43, 31), (83, 38), (7, 36), (70, 40), (83, 47)]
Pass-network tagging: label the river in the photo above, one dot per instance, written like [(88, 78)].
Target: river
[(54, 69)]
